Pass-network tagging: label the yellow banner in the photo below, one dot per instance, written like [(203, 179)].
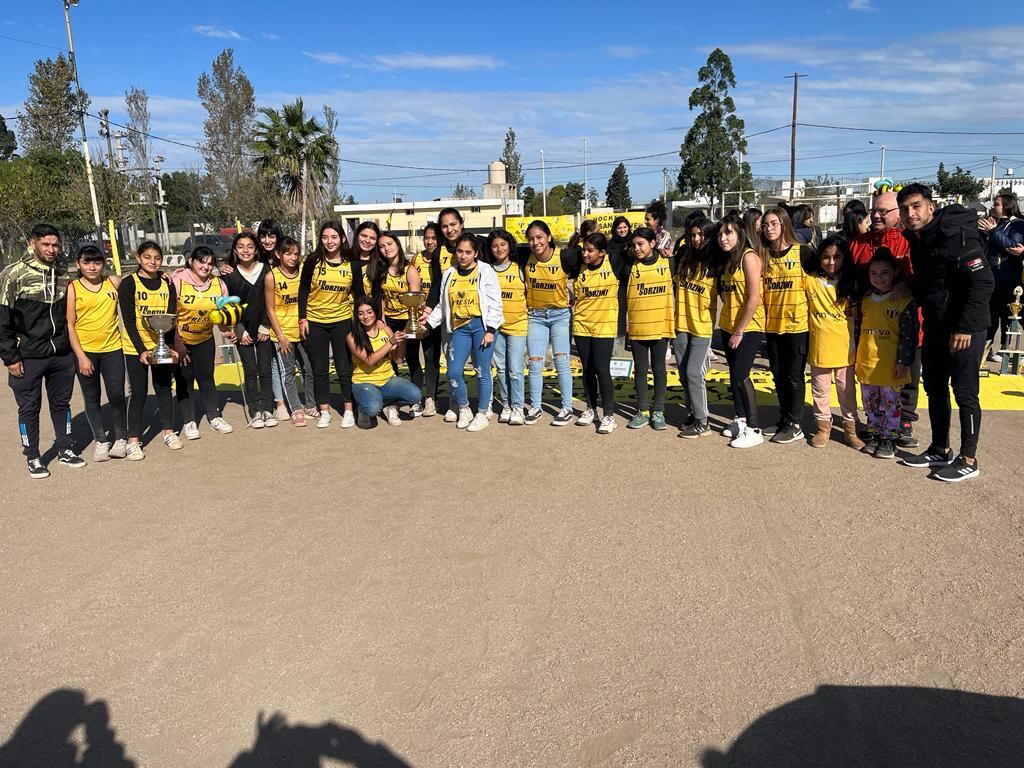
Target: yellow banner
[(604, 220), (562, 227)]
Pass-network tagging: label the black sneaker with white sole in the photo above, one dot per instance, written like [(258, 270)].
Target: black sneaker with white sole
[(933, 457), (532, 415), (886, 450), (906, 438), (562, 418), (69, 458), (957, 470), (694, 429), (788, 433), (871, 442), (37, 470)]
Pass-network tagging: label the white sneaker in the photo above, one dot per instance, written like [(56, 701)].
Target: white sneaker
[(733, 429), (348, 420), (429, 409), (119, 449), (748, 438), (101, 452), (489, 414), (221, 426), (479, 422), (133, 452), (281, 413), (391, 416), (173, 442), (517, 418), (505, 415), (256, 422), (465, 417), (324, 421), (190, 431), (450, 416), (607, 425), (586, 418), (269, 420), (416, 411)]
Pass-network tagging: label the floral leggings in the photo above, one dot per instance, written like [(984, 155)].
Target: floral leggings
[(883, 408)]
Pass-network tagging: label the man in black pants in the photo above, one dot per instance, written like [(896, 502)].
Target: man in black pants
[(35, 348), (952, 285)]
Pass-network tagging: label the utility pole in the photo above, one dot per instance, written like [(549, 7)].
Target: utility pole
[(664, 185), (792, 138), (992, 190), (586, 181), (81, 116), (122, 166), (105, 131), (161, 204), (543, 184)]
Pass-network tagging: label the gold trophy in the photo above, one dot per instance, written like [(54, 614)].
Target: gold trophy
[(413, 300), (161, 324)]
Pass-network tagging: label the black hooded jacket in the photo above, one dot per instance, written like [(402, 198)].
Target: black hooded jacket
[(952, 278)]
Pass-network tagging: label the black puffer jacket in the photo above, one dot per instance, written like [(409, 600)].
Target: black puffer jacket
[(952, 278), (33, 301)]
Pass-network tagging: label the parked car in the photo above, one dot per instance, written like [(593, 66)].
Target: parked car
[(219, 244)]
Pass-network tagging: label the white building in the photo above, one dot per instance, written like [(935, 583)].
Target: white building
[(1014, 183)]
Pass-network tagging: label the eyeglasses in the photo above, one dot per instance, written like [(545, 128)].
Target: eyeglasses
[(882, 211)]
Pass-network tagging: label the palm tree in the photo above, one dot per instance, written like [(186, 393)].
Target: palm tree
[(298, 153)]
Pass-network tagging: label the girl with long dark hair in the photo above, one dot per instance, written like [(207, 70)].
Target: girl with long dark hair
[(510, 341), (426, 265)]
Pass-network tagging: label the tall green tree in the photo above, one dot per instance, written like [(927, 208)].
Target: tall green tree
[(331, 197), (140, 149), (463, 192), (959, 183), (710, 166), (52, 108), (230, 103), (574, 194), (617, 193), (8, 141), (513, 162), (528, 195), (187, 194), (556, 202)]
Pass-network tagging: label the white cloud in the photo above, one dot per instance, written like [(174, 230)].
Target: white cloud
[(865, 6), (326, 57), (625, 51), (208, 30), (452, 62), (269, 36)]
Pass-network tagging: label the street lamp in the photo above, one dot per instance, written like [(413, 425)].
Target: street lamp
[(881, 167), (81, 115)]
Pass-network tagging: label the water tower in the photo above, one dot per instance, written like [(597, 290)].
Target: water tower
[(497, 186)]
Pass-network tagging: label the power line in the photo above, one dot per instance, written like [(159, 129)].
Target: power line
[(31, 42), (905, 130)]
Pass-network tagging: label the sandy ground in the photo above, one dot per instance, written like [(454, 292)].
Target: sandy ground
[(520, 597)]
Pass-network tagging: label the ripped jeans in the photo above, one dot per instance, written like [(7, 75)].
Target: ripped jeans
[(549, 326), (509, 352)]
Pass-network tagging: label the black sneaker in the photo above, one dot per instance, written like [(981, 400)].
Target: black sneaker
[(69, 458), (766, 431), (533, 415), (788, 434), (37, 470), (694, 429), (871, 442), (906, 438), (886, 450), (562, 418), (365, 422), (933, 457), (958, 470)]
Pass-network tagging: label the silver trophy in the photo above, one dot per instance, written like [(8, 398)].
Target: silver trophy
[(161, 324)]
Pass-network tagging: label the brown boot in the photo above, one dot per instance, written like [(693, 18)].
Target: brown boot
[(850, 434), (820, 439)]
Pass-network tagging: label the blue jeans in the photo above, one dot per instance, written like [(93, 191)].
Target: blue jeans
[(371, 399), (509, 352), (549, 326), (283, 373), (466, 341)]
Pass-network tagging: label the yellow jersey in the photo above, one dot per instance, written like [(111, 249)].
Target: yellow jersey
[(379, 374), (330, 293), (423, 269), (147, 302), (194, 308), (785, 303), (96, 317), (286, 304), (732, 288), (649, 301), (464, 297), (879, 340), (513, 300), (696, 302), (596, 311), (547, 284), (831, 331), (447, 257)]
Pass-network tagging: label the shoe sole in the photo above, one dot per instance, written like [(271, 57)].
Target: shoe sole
[(883, 456), (961, 478), (72, 466), (929, 465), (784, 441), (560, 423), (39, 476)]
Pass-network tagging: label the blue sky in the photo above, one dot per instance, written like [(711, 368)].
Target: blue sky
[(416, 84)]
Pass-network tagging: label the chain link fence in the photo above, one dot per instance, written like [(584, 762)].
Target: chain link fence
[(14, 237)]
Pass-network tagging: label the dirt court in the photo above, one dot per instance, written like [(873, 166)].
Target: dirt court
[(529, 596)]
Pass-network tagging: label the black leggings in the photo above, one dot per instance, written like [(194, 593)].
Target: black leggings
[(431, 346), (200, 371), (940, 368), (138, 385), (787, 356), (257, 360), (596, 358), (741, 360), (323, 339), (108, 367), (650, 356), (412, 352)]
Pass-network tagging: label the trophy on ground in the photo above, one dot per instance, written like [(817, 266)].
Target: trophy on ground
[(413, 300), (161, 324), (1011, 347)]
